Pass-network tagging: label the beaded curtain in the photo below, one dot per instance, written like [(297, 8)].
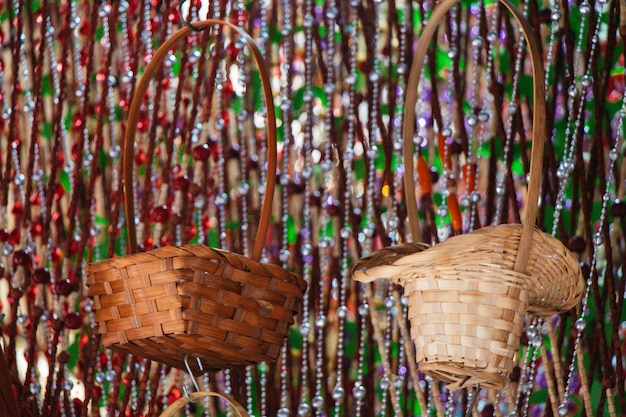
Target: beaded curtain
[(67, 74)]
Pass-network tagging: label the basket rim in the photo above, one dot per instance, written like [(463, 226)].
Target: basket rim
[(151, 255)]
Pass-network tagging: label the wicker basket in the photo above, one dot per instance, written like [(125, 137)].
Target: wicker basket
[(173, 302), (468, 295)]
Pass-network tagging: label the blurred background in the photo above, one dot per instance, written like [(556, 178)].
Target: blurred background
[(68, 71)]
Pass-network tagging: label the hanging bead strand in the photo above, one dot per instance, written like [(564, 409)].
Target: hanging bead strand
[(598, 240), (512, 109), (284, 253), (475, 122), (326, 241), (306, 249), (359, 391)]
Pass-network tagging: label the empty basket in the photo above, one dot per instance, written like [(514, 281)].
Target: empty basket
[(217, 306), (468, 295)]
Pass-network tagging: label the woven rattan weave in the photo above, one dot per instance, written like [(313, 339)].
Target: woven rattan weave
[(468, 295), (220, 307)]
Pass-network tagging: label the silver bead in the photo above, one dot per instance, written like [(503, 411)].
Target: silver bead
[(562, 410), (338, 393), (364, 309), (305, 329), (359, 392), (572, 91), (586, 80), (598, 239), (306, 249), (318, 401), (581, 324), (284, 255), (304, 409), (584, 8)]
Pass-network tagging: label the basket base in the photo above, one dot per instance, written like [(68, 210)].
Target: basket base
[(460, 376), (172, 351)]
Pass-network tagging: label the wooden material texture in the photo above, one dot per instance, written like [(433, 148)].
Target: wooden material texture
[(468, 295), (217, 306), (178, 405)]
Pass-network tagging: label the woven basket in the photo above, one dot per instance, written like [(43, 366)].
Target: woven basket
[(172, 302), (468, 295)]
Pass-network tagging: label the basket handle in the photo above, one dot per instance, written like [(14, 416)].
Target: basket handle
[(538, 133), (133, 116), (177, 405)]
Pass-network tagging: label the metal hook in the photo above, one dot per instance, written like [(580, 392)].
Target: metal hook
[(185, 21), (193, 378), (470, 407)]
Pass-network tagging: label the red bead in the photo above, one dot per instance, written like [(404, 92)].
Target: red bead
[(227, 89), (36, 229), (140, 158), (85, 28), (73, 247), (576, 244), (226, 118), (63, 287), (77, 122), (143, 124), (201, 152), (15, 236), (17, 209), (73, 321), (160, 214), (232, 50), (41, 276), (56, 255), (172, 17), (84, 54), (64, 357), (59, 192), (181, 183), (4, 235)]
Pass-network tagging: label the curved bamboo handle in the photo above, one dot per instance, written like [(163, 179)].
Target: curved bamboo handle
[(177, 405), (538, 134), (133, 115)]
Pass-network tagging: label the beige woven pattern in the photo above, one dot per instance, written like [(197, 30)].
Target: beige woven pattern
[(466, 302), (221, 307), (468, 295)]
